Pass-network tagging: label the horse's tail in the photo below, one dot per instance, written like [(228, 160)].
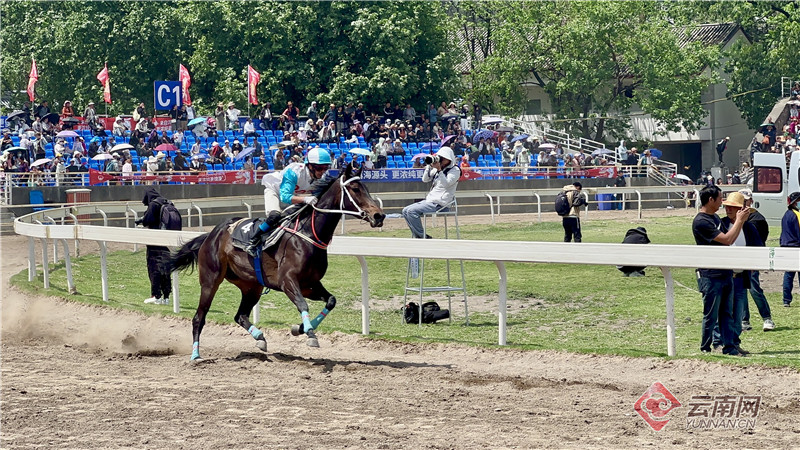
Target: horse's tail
[(186, 256)]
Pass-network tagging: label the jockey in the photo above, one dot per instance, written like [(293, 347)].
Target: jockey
[(291, 185)]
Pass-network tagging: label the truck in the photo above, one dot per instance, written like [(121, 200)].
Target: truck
[(773, 181)]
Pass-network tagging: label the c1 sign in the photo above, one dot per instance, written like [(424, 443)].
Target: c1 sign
[(167, 94)]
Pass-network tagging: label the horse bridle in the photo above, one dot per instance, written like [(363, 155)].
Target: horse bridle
[(342, 185)]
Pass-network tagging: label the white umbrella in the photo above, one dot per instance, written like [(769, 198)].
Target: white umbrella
[(103, 156), (120, 147), (681, 176), (361, 151), (41, 162), (286, 143), (489, 120)]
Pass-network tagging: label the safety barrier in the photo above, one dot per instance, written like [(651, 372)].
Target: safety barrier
[(665, 257)]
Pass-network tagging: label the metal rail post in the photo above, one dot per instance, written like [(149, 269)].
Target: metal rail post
[(68, 266), (364, 295)]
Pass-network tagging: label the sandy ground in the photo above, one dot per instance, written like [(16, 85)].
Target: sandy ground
[(76, 376)]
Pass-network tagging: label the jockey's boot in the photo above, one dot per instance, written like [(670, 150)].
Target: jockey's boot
[(269, 223)]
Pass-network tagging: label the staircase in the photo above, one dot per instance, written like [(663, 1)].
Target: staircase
[(660, 171)]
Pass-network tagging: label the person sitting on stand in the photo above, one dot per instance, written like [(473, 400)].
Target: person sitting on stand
[(445, 173)]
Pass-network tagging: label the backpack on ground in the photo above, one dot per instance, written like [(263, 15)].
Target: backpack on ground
[(562, 204), (431, 312), (170, 216)]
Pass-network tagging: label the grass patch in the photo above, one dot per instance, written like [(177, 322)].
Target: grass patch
[(577, 308)]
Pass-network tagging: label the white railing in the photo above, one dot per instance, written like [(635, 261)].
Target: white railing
[(665, 257), (786, 86)]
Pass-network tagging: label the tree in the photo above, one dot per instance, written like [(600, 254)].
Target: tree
[(595, 60), (336, 51)]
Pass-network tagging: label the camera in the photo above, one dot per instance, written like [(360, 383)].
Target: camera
[(431, 159)]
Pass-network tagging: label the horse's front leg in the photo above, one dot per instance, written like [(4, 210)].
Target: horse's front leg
[(318, 292), (292, 289)]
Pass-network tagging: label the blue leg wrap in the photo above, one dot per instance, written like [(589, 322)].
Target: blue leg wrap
[(317, 320), (306, 323), (255, 332), (263, 226), (196, 351)]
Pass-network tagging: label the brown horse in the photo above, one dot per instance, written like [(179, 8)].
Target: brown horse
[(294, 265)]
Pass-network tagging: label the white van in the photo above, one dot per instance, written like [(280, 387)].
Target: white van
[(772, 183)]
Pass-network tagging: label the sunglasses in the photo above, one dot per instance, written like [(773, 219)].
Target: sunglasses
[(319, 168)]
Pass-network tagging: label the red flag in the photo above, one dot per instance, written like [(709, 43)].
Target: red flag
[(103, 78), (186, 81), (253, 78), (32, 79)]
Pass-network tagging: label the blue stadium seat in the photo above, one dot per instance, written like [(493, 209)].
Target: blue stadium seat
[(390, 164)]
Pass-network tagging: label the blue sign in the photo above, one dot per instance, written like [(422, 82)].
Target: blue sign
[(167, 94)]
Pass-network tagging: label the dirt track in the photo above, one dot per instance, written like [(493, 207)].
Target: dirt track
[(75, 376)]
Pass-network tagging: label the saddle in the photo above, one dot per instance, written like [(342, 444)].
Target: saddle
[(243, 230)]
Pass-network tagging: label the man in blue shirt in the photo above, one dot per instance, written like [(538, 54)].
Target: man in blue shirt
[(790, 237)]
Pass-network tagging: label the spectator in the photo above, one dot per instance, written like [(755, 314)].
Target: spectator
[(507, 155), (741, 278), (262, 163), (232, 117), (67, 110), (249, 129), (433, 116), (119, 128), (312, 112), (790, 237), (330, 116), (183, 118), (761, 225), (636, 235), (157, 256), (219, 116), (716, 285), (43, 109), (572, 221), (477, 114), (620, 182), (341, 121), (180, 162), (445, 173), (721, 146), (139, 113), (523, 157), (266, 117), (409, 114), (289, 116), (90, 116)]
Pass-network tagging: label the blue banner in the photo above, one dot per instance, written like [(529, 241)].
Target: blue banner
[(167, 94)]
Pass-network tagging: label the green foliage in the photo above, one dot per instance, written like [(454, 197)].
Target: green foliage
[(337, 51), (580, 308), (595, 60)]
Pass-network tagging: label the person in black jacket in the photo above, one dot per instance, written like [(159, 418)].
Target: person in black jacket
[(636, 235), (760, 222), (157, 255)]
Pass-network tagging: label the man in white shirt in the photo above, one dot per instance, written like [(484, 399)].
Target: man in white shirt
[(445, 173)]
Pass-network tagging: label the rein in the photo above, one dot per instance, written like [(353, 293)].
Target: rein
[(314, 239)]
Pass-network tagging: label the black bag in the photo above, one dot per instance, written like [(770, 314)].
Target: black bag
[(562, 204), (170, 217), (431, 312)]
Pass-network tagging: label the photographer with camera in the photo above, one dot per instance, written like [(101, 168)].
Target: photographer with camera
[(445, 173)]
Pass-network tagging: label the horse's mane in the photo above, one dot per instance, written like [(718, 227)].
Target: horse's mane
[(320, 186)]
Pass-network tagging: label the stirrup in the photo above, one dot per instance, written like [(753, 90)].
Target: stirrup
[(253, 249)]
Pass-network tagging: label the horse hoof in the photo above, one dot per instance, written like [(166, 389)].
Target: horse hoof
[(262, 345), (197, 360), (296, 330), (312, 342)]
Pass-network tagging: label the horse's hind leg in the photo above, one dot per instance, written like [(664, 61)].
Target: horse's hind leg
[(208, 288), (250, 297)]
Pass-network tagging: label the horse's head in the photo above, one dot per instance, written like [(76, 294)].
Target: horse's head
[(356, 197)]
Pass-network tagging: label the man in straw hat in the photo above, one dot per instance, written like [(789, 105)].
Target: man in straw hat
[(760, 222), (748, 236), (716, 285), (790, 237)]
